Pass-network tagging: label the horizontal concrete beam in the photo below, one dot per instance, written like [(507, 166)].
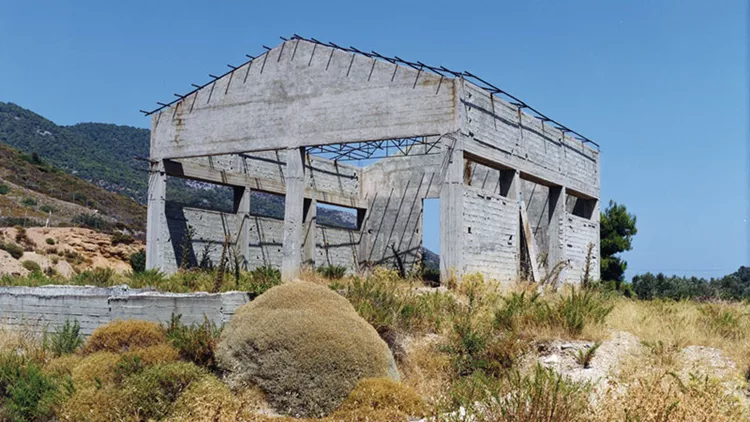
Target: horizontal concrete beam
[(205, 173)]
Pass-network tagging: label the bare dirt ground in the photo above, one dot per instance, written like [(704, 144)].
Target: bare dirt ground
[(70, 250)]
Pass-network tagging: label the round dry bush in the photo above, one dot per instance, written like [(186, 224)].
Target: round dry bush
[(62, 365), (207, 399), (121, 336), (305, 346), (95, 369), (378, 394), (156, 354)]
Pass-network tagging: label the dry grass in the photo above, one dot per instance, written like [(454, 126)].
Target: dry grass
[(305, 346), (675, 325), (206, 400), (121, 336)]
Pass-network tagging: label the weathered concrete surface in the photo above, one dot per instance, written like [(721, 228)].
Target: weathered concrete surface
[(238, 131), (37, 308), (301, 94)]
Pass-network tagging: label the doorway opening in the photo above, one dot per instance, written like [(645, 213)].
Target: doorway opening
[(431, 241)]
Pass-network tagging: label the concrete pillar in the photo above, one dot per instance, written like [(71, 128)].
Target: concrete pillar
[(156, 225), (556, 231), (451, 214), (310, 215), (242, 232), (294, 179)]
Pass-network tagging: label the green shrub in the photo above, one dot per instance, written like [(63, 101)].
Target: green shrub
[(196, 343), (13, 249), (27, 392), (99, 277), (121, 238), (50, 241), (91, 221), (521, 311), (66, 339), (138, 261), (722, 319), (4, 189), (333, 272), (263, 278), (32, 266), (29, 202), (47, 208)]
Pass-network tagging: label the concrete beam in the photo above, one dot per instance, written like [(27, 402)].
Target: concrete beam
[(156, 225), (205, 173), (294, 178)]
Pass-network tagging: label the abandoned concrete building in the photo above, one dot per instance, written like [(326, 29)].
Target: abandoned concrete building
[(518, 192)]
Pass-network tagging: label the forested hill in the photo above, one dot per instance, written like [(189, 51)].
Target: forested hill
[(97, 152)]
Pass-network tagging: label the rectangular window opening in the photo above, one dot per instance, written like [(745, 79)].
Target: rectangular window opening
[(200, 194), (266, 204), (338, 216), (581, 207)]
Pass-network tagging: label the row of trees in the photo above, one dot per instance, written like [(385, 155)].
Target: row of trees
[(617, 228)]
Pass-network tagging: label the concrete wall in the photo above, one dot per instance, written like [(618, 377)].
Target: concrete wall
[(579, 233), (34, 308), (395, 188), (300, 94), (491, 233)]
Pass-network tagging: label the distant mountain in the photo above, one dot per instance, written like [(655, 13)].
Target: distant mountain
[(103, 155), (31, 187)]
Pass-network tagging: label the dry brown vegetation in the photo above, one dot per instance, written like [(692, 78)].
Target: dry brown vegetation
[(476, 352)]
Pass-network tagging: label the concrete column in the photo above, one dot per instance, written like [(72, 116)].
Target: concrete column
[(294, 179), (556, 231), (310, 216), (156, 225), (242, 210), (451, 214)]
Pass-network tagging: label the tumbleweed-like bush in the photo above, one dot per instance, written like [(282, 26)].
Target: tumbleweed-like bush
[(305, 346), (121, 336)]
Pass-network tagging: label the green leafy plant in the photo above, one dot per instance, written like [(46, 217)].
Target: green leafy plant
[(263, 278), (4, 189), (196, 342), (29, 202), (28, 394), (47, 208), (585, 355), (138, 261), (50, 241), (333, 272), (99, 277), (581, 307), (66, 339)]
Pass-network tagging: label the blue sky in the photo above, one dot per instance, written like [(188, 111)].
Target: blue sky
[(662, 86)]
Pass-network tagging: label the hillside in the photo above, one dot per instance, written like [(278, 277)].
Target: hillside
[(37, 187)]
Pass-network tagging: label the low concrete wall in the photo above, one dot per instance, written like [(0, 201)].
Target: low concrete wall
[(34, 308)]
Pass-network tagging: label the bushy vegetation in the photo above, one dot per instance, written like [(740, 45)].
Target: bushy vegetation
[(122, 336), (32, 266), (15, 250), (4, 189), (92, 221), (138, 261), (196, 342), (735, 286), (333, 272), (66, 339)]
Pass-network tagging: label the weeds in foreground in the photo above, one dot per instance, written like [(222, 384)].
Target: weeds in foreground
[(66, 339), (584, 356), (196, 342)]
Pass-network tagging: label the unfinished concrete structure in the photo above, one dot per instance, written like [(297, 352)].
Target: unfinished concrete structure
[(518, 192)]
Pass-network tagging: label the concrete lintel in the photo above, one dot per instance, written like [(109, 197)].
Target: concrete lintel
[(205, 173)]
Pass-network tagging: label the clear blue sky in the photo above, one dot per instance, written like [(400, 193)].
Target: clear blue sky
[(662, 86)]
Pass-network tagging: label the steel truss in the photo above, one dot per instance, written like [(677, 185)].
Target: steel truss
[(371, 150)]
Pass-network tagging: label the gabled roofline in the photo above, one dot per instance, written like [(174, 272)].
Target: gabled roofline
[(441, 71)]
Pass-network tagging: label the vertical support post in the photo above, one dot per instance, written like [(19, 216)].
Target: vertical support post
[(294, 179), (557, 197), (156, 225), (310, 216), (242, 211), (451, 213)]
